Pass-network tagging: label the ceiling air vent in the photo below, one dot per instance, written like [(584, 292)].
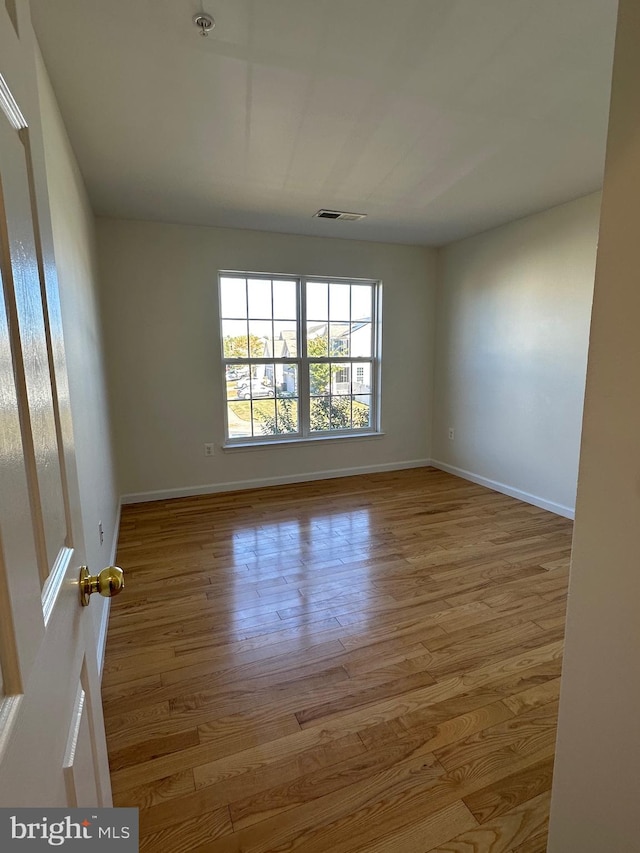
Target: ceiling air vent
[(339, 214)]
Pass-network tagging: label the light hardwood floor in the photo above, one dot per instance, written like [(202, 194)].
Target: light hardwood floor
[(363, 664)]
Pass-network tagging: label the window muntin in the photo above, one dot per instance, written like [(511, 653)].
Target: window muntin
[(300, 357)]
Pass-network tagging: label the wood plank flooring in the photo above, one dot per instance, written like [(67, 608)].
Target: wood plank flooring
[(364, 664)]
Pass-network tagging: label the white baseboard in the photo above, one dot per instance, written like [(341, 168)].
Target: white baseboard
[(104, 617), (558, 509), (240, 485)]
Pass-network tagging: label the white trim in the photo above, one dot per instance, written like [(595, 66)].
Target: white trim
[(72, 747), (101, 642), (10, 108), (53, 584), (116, 533), (74, 731), (252, 444), (543, 503), (238, 485), (9, 706)]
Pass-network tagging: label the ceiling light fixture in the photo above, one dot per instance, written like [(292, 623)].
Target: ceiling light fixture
[(204, 22)]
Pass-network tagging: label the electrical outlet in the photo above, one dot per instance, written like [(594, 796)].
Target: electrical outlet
[(101, 532), (208, 449), (452, 433)]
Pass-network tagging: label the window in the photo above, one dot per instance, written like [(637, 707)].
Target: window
[(300, 357)]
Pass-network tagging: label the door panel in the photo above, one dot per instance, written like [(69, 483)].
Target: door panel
[(52, 746), (31, 352), (20, 631), (78, 766)]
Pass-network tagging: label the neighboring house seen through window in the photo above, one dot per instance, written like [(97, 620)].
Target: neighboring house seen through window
[(300, 357)]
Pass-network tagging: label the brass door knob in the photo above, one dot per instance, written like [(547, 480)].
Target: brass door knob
[(109, 582)]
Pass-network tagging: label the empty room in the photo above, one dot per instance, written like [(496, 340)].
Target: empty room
[(318, 382)]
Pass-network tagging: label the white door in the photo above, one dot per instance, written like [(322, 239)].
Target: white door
[(52, 745)]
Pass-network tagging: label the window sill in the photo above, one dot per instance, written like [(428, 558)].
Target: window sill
[(291, 442)]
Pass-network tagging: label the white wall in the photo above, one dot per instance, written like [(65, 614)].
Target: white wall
[(161, 325), (513, 310), (73, 226), (595, 793)]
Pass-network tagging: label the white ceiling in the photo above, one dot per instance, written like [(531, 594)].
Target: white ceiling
[(437, 118)]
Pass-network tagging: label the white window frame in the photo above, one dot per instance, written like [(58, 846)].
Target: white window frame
[(302, 362)]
